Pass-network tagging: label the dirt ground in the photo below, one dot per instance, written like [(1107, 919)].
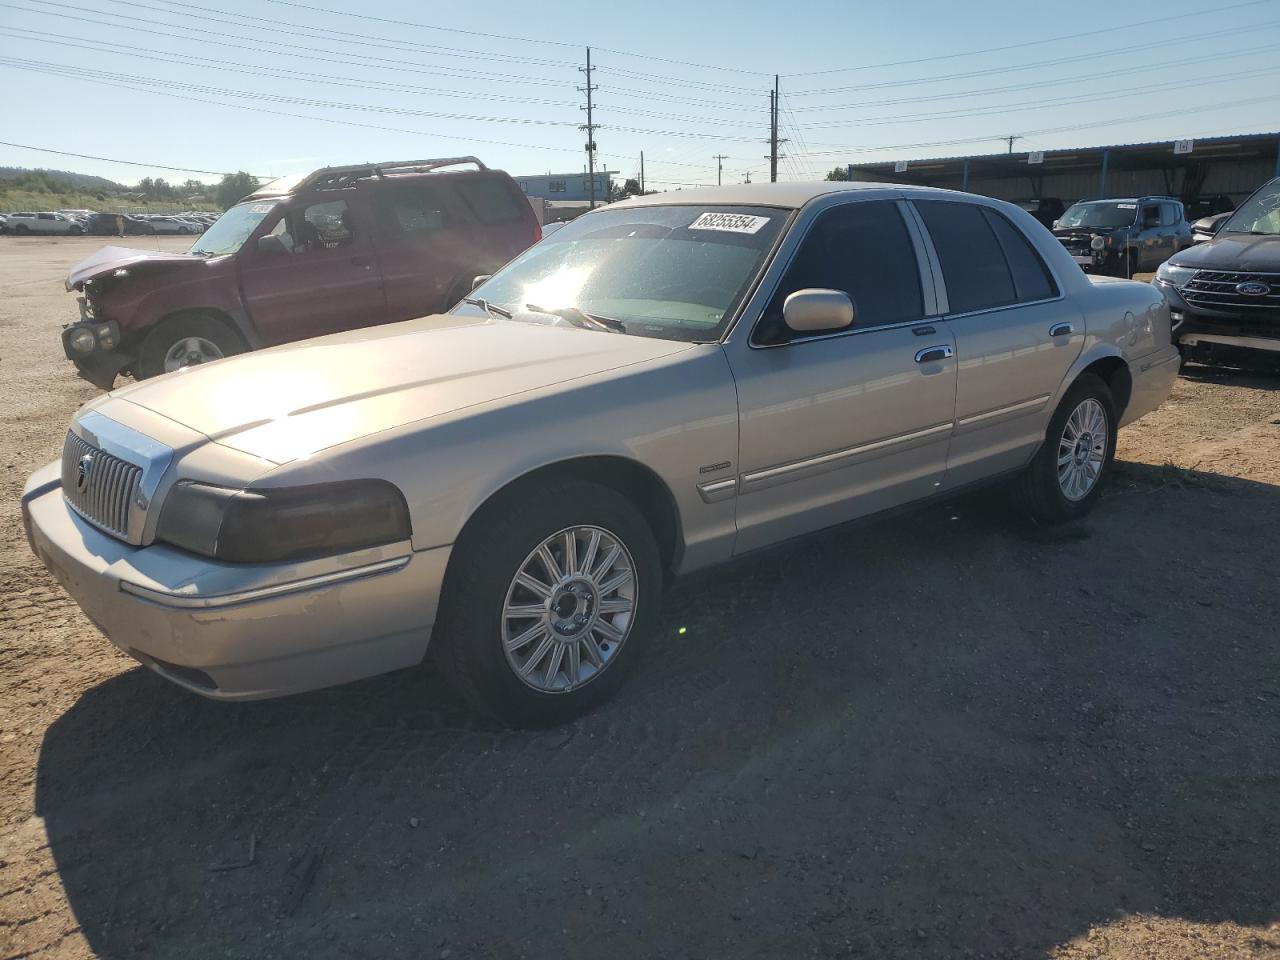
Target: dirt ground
[(939, 735)]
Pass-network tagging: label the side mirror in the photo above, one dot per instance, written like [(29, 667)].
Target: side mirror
[(273, 245), (1151, 221), (476, 281), (816, 309)]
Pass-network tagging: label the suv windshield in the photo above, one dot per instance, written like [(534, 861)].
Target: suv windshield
[(672, 272), (1259, 214), (232, 229), (1097, 213)]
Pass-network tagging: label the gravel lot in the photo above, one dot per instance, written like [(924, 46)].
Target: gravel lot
[(938, 735)]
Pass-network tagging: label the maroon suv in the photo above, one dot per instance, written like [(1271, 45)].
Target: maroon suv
[(303, 256)]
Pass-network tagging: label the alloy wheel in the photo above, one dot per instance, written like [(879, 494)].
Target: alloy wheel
[(190, 351), (1082, 449), (569, 609)]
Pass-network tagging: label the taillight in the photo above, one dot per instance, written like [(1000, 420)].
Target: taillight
[(537, 232)]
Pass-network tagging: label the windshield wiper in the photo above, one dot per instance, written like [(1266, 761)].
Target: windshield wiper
[(588, 321), (488, 307)]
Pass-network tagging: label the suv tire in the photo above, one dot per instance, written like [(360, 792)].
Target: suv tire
[(1063, 481), (205, 335), (591, 622)]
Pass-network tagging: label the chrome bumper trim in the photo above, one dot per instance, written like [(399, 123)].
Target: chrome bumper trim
[(1249, 343), (182, 601)]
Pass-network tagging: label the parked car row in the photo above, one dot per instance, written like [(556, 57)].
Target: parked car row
[(77, 222)]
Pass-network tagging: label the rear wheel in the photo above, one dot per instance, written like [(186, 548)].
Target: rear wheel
[(550, 598), (186, 341), (1064, 480)]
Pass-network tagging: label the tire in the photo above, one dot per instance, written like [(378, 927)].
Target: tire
[(76, 231), (1040, 491), (214, 338), (474, 629), (21, 230)]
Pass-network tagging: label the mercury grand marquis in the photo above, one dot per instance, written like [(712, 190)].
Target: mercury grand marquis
[(664, 384)]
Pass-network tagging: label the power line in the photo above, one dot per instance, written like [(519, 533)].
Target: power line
[(1114, 28), (332, 120), (161, 56), (1127, 50), (275, 47), (507, 36), (127, 163)]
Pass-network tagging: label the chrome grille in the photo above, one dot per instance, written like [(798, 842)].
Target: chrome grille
[(1217, 288), (100, 487)]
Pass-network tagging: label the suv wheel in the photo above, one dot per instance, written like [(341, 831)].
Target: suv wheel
[(550, 598), (186, 341), (21, 229), (1063, 481)]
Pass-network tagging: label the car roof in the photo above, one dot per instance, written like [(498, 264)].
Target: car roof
[(793, 195), (1129, 199)]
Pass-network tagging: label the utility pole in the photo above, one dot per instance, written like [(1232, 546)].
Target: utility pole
[(590, 127), (1011, 139), (642, 173), (748, 180), (719, 158), (773, 131)]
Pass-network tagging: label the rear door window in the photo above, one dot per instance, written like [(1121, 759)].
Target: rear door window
[(1168, 214), (1031, 278), (491, 201), (410, 210), (974, 268)]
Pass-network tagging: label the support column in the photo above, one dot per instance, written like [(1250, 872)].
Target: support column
[(1102, 179), (964, 177)]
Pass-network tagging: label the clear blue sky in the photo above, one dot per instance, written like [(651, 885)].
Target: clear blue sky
[(274, 87)]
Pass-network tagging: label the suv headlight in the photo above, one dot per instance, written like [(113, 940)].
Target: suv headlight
[(1098, 243), (274, 524), (1173, 275)]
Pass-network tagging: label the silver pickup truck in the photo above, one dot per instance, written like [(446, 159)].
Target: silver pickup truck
[(664, 384)]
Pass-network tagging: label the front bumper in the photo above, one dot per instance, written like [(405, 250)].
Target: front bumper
[(1220, 333), (103, 363), (239, 631)]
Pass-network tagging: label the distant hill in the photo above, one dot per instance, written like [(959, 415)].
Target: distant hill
[(82, 181)]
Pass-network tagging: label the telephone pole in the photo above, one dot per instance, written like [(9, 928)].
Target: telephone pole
[(719, 158), (642, 173), (773, 131), (590, 127), (1011, 139)]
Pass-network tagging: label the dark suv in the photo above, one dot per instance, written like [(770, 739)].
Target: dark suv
[(340, 248), (1123, 237), (1224, 295)]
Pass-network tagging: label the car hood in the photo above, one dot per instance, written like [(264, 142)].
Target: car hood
[(1233, 251), (1064, 232), (293, 401), (110, 259)]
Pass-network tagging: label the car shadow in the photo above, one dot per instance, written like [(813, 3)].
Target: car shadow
[(936, 733), (1221, 373)]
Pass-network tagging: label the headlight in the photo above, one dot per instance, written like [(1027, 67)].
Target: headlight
[(1173, 275), (273, 524), (82, 340), (106, 334), (1098, 243)]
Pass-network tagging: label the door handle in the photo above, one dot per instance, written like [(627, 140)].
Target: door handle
[(933, 354), (365, 262), (1061, 330), (923, 331)]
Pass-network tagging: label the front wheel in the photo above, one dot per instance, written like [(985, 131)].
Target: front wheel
[(186, 341), (1064, 480), (550, 598)]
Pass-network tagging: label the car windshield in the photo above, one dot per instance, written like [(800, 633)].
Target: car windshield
[(232, 229), (1099, 214), (1259, 214), (674, 272)]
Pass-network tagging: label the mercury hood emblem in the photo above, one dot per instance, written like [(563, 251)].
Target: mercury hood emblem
[(83, 469)]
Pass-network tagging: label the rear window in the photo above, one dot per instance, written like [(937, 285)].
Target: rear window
[(492, 201)]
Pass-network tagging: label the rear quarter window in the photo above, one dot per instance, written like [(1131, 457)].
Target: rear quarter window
[(492, 201)]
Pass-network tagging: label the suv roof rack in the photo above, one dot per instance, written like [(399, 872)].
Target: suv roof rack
[(329, 178)]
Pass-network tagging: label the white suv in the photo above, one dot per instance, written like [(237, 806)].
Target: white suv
[(52, 223)]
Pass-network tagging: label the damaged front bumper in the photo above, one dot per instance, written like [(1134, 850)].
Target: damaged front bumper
[(94, 347)]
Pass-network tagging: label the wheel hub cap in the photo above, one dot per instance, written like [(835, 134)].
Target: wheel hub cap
[(569, 609)]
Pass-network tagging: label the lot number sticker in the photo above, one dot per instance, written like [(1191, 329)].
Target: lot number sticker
[(729, 223)]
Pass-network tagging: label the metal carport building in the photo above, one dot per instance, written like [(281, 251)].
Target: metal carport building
[(1194, 171)]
